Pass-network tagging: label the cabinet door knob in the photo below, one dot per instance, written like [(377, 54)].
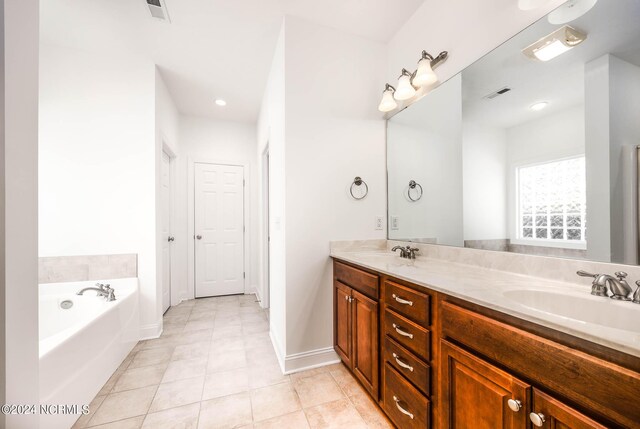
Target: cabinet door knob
[(514, 405), (199, 237), (537, 419)]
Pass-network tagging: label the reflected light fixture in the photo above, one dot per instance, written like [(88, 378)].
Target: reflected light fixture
[(220, 102), (556, 43), (424, 74), (388, 103), (570, 11), (539, 106), (405, 89)]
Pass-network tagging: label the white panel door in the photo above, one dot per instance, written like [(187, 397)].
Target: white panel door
[(165, 235), (219, 229)]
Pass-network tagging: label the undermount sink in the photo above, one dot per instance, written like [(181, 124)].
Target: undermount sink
[(589, 309)]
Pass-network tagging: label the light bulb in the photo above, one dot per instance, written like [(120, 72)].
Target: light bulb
[(387, 103), (405, 90), (424, 75)]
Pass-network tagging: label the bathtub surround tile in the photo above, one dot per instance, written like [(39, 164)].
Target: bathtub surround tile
[(274, 401), (58, 269), (226, 412), (185, 417), (122, 405), (188, 368), (177, 393), (140, 377)]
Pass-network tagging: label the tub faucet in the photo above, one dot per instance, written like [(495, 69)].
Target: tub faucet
[(619, 287), (102, 290)]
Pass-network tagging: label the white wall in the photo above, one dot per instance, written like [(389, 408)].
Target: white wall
[(425, 145), (333, 133), (208, 140), (484, 163), (271, 132), (98, 156), (19, 157)]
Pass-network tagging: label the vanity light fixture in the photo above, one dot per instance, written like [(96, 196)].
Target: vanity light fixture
[(556, 43), (220, 102), (539, 106), (405, 89), (388, 103), (424, 75)]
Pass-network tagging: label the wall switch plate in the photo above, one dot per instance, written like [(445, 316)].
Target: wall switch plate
[(379, 221), (395, 222)]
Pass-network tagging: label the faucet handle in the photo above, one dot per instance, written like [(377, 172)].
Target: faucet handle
[(636, 294), (586, 274), (621, 275)]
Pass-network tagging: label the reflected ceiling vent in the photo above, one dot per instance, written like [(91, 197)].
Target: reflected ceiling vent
[(158, 9), (497, 93)]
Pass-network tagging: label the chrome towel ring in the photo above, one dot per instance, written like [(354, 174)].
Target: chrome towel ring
[(414, 185), (357, 182)]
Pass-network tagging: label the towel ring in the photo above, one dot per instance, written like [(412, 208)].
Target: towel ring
[(358, 182), (413, 185)]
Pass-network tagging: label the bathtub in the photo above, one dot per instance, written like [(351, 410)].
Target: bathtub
[(82, 345)]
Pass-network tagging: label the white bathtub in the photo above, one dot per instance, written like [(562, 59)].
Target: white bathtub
[(82, 346)]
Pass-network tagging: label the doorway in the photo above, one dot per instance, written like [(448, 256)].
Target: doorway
[(218, 229), (166, 184)]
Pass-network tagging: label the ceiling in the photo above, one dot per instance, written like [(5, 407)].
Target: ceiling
[(611, 27), (212, 48)]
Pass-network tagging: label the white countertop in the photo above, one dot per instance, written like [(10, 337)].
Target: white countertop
[(565, 307)]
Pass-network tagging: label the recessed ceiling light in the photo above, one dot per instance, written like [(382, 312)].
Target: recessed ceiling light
[(220, 102), (539, 106)]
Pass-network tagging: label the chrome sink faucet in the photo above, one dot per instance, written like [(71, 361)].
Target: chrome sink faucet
[(618, 287), (406, 252), (103, 290)]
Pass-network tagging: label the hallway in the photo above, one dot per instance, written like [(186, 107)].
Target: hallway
[(214, 367)]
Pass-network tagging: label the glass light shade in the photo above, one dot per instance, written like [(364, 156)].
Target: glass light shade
[(387, 103), (405, 90), (424, 74), (571, 10)]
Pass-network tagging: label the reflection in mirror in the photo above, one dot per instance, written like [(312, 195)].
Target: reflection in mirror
[(533, 148)]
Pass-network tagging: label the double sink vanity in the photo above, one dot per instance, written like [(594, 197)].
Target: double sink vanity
[(442, 344)]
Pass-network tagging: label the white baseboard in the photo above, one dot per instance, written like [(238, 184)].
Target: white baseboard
[(308, 360), (151, 331)]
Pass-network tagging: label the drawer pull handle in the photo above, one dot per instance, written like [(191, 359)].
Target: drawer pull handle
[(537, 419), (402, 364), (402, 410), (401, 332), (402, 301), (514, 405)]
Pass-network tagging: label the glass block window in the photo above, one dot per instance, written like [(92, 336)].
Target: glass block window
[(551, 201)]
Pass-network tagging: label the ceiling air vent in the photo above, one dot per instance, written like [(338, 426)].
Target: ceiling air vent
[(497, 93), (158, 9)]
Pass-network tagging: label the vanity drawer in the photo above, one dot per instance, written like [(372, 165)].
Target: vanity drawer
[(404, 404), (359, 280), (407, 334), (408, 302), (407, 364)]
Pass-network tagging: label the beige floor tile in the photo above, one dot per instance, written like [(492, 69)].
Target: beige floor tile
[(226, 412), (122, 405), (191, 351), (187, 368), (191, 337), (295, 420), (317, 389), (108, 386), (227, 344), (177, 393), (274, 401), (132, 423), (162, 342), (225, 360), (227, 331), (310, 372), (225, 383), (347, 382), (140, 377), (267, 375), (204, 315), (198, 325), (370, 412), (335, 415), (185, 417), (151, 357), (169, 330), (249, 328), (93, 407)]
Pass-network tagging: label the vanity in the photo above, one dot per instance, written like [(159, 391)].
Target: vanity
[(441, 356)]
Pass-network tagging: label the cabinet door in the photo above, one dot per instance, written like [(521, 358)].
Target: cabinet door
[(476, 394), (365, 341), (342, 321), (552, 414)]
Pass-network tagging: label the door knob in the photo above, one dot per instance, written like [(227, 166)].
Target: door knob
[(170, 239), (199, 237), (514, 405), (537, 419)]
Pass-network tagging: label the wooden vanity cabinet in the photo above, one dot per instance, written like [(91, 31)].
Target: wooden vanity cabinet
[(356, 321)]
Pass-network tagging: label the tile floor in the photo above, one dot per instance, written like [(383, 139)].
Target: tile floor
[(214, 367)]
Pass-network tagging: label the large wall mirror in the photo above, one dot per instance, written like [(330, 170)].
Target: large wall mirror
[(533, 148)]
